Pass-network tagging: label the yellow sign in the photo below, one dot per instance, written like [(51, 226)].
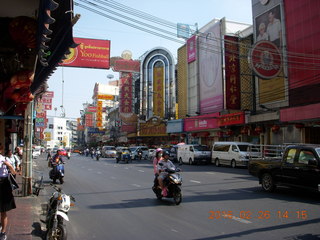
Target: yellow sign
[(47, 136), (105, 97), (158, 99)]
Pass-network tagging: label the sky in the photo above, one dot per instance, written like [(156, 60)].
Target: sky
[(74, 86)]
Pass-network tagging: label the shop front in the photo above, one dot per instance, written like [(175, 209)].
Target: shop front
[(153, 132), (202, 129), (175, 131)]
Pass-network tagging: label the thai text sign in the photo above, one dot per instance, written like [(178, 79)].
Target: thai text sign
[(208, 121), (91, 53)]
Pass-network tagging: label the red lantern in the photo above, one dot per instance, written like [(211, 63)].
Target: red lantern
[(206, 134), (194, 134), (258, 129), (245, 130), (275, 128)]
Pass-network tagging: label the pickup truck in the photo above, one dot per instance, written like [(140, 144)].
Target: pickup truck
[(296, 166)]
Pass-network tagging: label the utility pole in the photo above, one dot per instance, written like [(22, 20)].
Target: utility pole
[(27, 151)]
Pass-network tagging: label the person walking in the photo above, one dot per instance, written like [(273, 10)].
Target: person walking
[(7, 202)]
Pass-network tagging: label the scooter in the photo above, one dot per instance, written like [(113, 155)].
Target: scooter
[(57, 172), (98, 155), (173, 183), (57, 212)]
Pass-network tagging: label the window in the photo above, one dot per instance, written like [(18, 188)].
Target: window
[(50, 126), (221, 148), (290, 156), (305, 156), (234, 148)]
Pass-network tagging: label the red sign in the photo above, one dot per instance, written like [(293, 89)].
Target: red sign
[(265, 59), (208, 121), (123, 65), (192, 49), (91, 109), (91, 53), (126, 93), (231, 119), (232, 73)]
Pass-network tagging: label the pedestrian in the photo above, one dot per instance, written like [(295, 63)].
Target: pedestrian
[(7, 202), (14, 161)]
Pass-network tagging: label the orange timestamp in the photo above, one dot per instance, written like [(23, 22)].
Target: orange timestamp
[(263, 214)]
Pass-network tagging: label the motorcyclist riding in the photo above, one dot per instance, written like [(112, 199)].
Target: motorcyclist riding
[(156, 159), (162, 166), (55, 161)]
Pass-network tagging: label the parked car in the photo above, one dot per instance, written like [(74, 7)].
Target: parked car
[(109, 152), (194, 154), (135, 152), (298, 166), (231, 153)]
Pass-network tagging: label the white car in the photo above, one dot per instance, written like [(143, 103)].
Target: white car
[(36, 153)]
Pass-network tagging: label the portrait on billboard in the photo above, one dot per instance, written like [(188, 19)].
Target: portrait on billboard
[(268, 26)]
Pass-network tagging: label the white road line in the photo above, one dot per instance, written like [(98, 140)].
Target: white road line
[(173, 230), (210, 173), (194, 181), (141, 170), (136, 185), (237, 219)]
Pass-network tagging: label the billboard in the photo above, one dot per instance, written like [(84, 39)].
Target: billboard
[(90, 53), (123, 65), (210, 70), (126, 95), (158, 95)]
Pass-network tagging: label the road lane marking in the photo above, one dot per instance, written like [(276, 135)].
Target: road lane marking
[(140, 170), (136, 185), (210, 173), (237, 219), (173, 230), (194, 181)]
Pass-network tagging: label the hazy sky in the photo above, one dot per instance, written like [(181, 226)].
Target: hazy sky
[(79, 82)]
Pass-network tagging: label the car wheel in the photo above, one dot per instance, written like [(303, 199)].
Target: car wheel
[(267, 182), (217, 162), (233, 163)]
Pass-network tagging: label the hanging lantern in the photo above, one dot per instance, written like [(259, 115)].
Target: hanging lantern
[(258, 129), (299, 125), (229, 132), (275, 128), (244, 130)]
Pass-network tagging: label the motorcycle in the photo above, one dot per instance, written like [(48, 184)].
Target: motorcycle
[(57, 172), (98, 155), (57, 212), (172, 182)]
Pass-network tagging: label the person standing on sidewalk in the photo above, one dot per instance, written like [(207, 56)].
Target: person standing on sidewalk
[(7, 202), (14, 161)]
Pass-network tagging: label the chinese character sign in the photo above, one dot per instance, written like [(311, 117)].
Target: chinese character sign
[(158, 99), (126, 93), (232, 73)]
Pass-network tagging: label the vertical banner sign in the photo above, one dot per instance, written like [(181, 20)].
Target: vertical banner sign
[(89, 119), (126, 93), (99, 115), (232, 73), (158, 98), (210, 70), (191, 49)]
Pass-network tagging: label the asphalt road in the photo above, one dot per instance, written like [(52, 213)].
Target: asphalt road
[(115, 201)]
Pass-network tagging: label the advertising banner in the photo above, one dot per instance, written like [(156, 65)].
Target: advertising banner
[(192, 49), (210, 70), (158, 96), (91, 53), (126, 88), (89, 120), (105, 97), (232, 73), (231, 119), (91, 109)]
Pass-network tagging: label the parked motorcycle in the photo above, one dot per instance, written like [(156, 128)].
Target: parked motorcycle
[(57, 172), (57, 212), (172, 182)]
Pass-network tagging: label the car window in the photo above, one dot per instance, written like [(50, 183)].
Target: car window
[(305, 156), (201, 148), (221, 148), (234, 148), (290, 156)]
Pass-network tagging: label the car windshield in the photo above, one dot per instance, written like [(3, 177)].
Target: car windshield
[(245, 148), (318, 151), (133, 149), (201, 148), (110, 148)]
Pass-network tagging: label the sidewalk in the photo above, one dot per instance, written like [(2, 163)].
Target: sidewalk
[(24, 222)]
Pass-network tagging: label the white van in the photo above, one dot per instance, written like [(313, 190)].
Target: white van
[(231, 153), (193, 154)]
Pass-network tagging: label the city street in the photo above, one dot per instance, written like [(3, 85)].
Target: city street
[(115, 201)]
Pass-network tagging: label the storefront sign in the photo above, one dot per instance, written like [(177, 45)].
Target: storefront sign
[(192, 49), (232, 119), (126, 93), (123, 65), (175, 126), (209, 121)]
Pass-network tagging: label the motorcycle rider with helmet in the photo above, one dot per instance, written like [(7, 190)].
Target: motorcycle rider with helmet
[(164, 164), (55, 161)]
